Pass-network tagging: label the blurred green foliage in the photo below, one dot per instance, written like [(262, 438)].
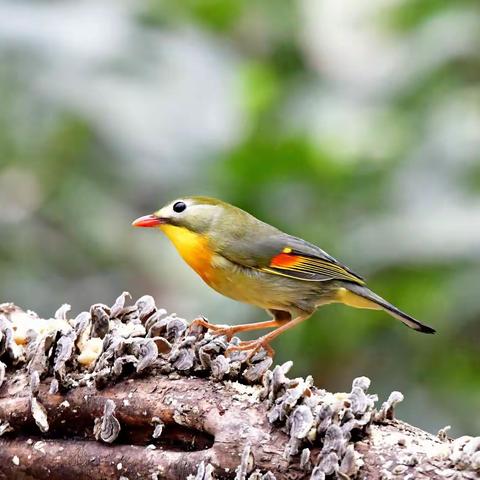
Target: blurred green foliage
[(298, 157), (411, 13)]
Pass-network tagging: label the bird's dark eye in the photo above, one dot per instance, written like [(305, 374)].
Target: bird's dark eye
[(179, 207)]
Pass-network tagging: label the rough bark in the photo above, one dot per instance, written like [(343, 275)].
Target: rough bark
[(193, 413)]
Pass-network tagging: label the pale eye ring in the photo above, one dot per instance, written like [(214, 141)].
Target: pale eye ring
[(179, 207)]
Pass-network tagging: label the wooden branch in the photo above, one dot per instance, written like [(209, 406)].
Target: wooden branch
[(159, 400), (203, 422)]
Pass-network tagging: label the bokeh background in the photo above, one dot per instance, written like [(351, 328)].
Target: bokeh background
[(353, 124)]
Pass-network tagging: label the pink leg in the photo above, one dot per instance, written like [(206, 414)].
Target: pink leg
[(231, 331), (264, 341)]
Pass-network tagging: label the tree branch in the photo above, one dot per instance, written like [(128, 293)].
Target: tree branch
[(128, 391)]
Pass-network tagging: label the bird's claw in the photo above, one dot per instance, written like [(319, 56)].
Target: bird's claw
[(252, 347)]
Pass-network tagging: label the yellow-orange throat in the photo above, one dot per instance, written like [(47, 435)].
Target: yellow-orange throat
[(193, 247)]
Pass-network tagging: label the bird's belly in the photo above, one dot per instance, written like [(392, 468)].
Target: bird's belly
[(247, 289), (259, 288)]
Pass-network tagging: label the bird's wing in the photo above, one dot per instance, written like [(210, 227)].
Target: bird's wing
[(292, 257), (295, 263)]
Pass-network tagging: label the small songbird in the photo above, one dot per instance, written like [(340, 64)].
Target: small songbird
[(253, 262)]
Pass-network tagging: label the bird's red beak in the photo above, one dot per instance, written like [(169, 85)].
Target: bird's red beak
[(148, 221)]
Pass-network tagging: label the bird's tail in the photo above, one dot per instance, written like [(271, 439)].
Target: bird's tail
[(362, 297)]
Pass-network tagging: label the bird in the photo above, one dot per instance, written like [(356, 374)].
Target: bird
[(253, 262)]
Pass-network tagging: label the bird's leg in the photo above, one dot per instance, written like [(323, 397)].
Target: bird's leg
[(246, 327), (264, 341), (231, 331), (279, 318)]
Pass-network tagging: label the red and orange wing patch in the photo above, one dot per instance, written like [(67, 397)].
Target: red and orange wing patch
[(293, 264)]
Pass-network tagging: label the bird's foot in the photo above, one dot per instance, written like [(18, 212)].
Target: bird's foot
[(229, 332), (252, 347)]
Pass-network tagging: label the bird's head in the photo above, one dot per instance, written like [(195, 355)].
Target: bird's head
[(195, 214)]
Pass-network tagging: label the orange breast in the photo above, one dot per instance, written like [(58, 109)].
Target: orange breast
[(193, 248)]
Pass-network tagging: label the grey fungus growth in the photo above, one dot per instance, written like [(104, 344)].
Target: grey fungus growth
[(204, 472), (305, 463), (10, 351), (278, 377), (324, 435), (312, 417), (158, 427), (5, 428), (107, 428), (301, 422), (442, 434), (255, 372), (38, 411), (3, 368), (386, 412), (350, 464), (146, 307), (182, 359), (118, 308), (147, 354), (39, 352), (220, 367), (247, 464), (361, 382), (39, 415), (266, 476), (53, 390), (61, 313), (163, 345), (465, 453), (175, 328), (34, 383), (63, 353), (100, 319)]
